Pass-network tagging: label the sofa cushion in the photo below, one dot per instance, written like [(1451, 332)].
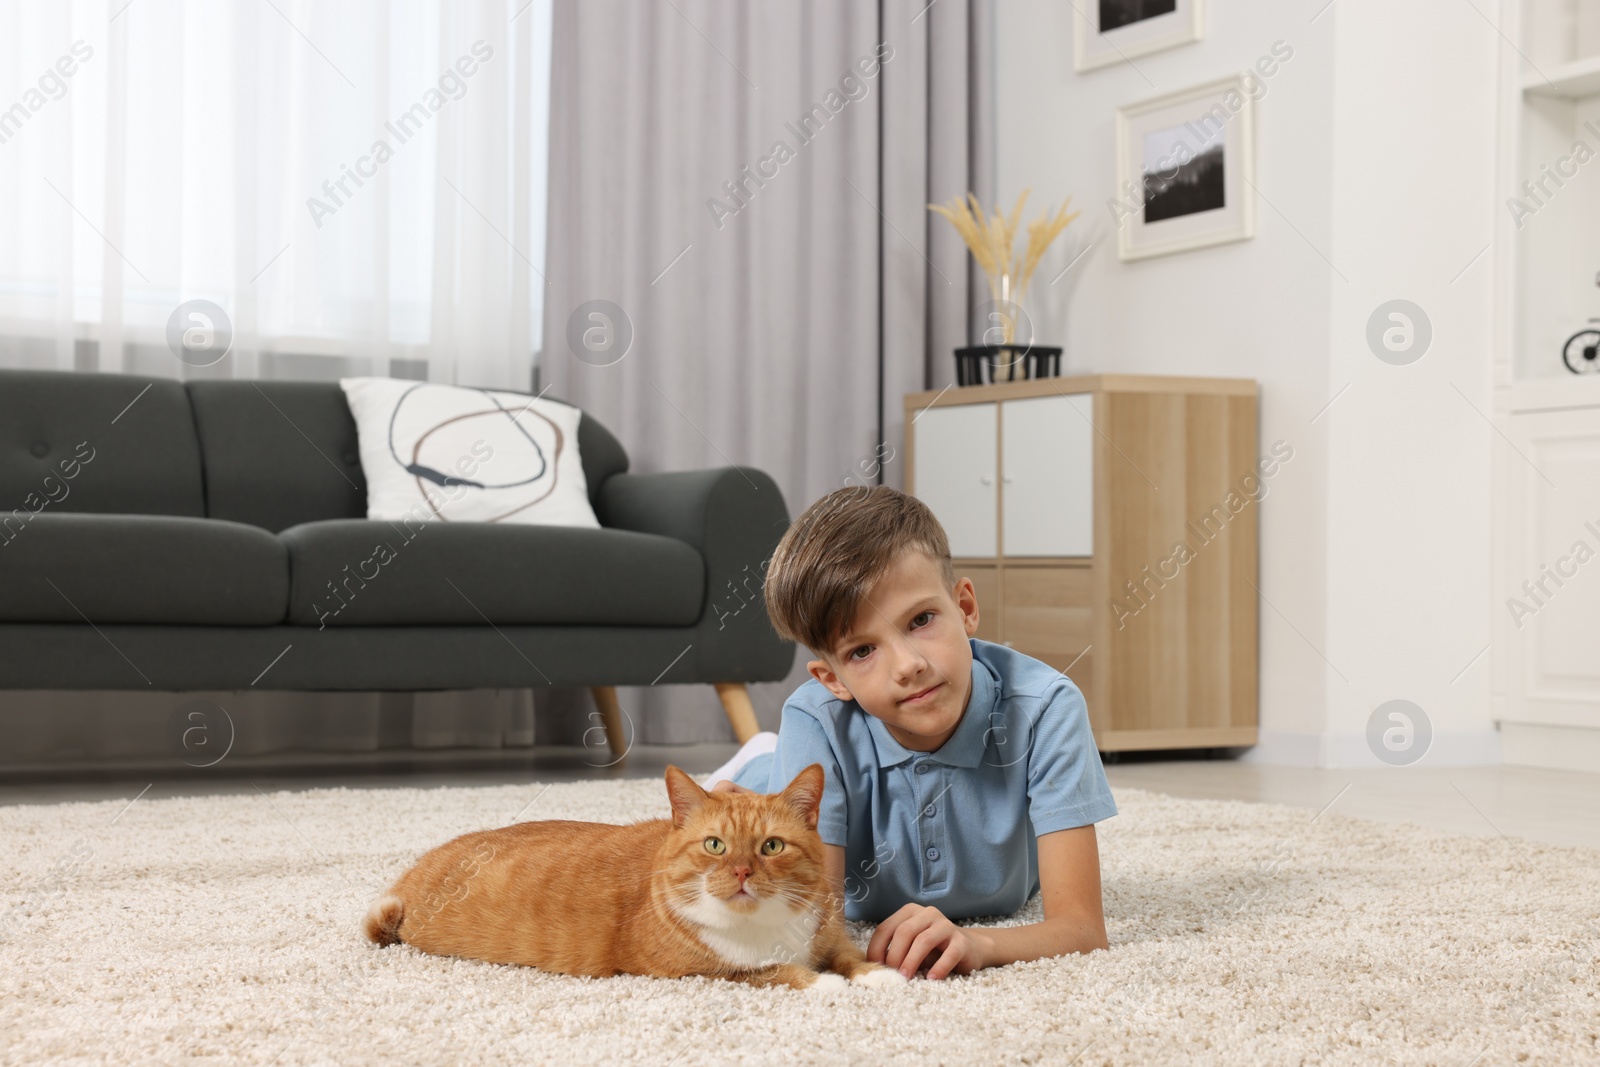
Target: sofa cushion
[(143, 569), (358, 572), (104, 443), (278, 454)]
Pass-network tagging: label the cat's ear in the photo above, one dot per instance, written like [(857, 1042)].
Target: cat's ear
[(804, 793), (685, 794)]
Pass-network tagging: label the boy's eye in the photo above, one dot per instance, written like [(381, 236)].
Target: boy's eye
[(928, 615)]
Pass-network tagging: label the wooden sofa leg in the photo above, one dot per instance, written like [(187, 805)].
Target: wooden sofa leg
[(605, 698), (736, 702)]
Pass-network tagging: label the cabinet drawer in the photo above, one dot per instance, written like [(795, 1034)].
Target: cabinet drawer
[(1048, 613)]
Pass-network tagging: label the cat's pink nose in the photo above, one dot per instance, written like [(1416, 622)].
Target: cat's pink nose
[(742, 871)]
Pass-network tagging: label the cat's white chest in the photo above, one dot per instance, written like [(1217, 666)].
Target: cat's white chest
[(773, 933)]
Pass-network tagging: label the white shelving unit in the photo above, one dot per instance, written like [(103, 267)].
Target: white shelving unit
[(1570, 81), (1555, 191), (1546, 648)]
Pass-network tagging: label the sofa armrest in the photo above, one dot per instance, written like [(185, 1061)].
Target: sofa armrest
[(734, 517)]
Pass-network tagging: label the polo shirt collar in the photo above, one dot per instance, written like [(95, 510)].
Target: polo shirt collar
[(966, 746)]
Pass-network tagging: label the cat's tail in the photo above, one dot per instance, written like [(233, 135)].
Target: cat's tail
[(382, 924)]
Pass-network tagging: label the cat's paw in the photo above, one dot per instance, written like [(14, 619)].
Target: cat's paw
[(878, 977), (827, 983)]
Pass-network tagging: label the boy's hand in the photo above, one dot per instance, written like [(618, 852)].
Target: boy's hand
[(726, 786), (912, 934)]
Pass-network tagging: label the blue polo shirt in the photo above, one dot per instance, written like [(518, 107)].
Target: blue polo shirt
[(956, 828)]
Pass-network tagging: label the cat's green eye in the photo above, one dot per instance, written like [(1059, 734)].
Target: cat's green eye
[(715, 846), (772, 846)]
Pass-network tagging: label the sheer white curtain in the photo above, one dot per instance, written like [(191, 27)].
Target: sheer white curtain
[(359, 186)]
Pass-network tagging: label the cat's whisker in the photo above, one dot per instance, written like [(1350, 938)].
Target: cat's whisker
[(795, 897)]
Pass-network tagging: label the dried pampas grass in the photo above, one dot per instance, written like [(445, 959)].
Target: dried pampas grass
[(992, 239)]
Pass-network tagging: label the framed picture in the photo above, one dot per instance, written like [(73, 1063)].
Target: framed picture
[(1110, 31), (1186, 170)]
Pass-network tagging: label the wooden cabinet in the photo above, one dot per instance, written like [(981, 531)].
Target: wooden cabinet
[(1108, 527)]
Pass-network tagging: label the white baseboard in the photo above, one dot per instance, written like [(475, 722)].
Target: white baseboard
[(1472, 748), (1286, 748), (1567, 748)]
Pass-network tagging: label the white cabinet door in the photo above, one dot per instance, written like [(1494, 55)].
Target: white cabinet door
[(1548, 578), (955, 473), (1047, 458)]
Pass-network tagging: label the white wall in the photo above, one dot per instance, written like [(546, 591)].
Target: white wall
[(1374, 168), (1409, 593)]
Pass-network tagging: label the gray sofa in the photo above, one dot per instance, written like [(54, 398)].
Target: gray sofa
[(200, 535)]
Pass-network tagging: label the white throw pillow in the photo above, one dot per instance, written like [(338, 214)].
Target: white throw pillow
[(455, 454)]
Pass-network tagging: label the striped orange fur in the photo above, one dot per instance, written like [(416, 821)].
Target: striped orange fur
[(731, 886)]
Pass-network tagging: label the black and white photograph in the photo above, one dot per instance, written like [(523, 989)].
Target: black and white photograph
[(1185, 164), (1114, 14), (1109, 32), (1180, 177)]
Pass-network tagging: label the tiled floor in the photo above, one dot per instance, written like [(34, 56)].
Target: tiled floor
[(1562, 807)]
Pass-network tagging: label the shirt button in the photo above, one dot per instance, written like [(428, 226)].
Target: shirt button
[(928, 810), (933, 853), (922, 768)]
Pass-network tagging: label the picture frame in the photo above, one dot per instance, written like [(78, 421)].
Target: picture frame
[(1186, 170), (1113, 31)]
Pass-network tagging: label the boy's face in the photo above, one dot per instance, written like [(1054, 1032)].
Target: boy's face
[(908, 639)]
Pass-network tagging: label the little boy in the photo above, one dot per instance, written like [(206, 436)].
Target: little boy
[(961, 775)]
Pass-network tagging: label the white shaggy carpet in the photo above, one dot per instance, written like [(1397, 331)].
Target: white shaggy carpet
[(226, 930)]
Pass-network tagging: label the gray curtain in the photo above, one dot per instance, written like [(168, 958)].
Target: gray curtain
[(763, 305)]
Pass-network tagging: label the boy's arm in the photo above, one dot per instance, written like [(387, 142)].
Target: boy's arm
[(1069, 888), (1067, 795)]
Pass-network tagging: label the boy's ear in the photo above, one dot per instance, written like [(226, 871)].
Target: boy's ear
[(684, 793), (966, 599), (822, 672), (804, 793)]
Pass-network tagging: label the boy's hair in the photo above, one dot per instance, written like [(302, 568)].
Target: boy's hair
[(836, 550)]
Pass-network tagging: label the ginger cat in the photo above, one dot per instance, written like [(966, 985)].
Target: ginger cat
[(732, 886)]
